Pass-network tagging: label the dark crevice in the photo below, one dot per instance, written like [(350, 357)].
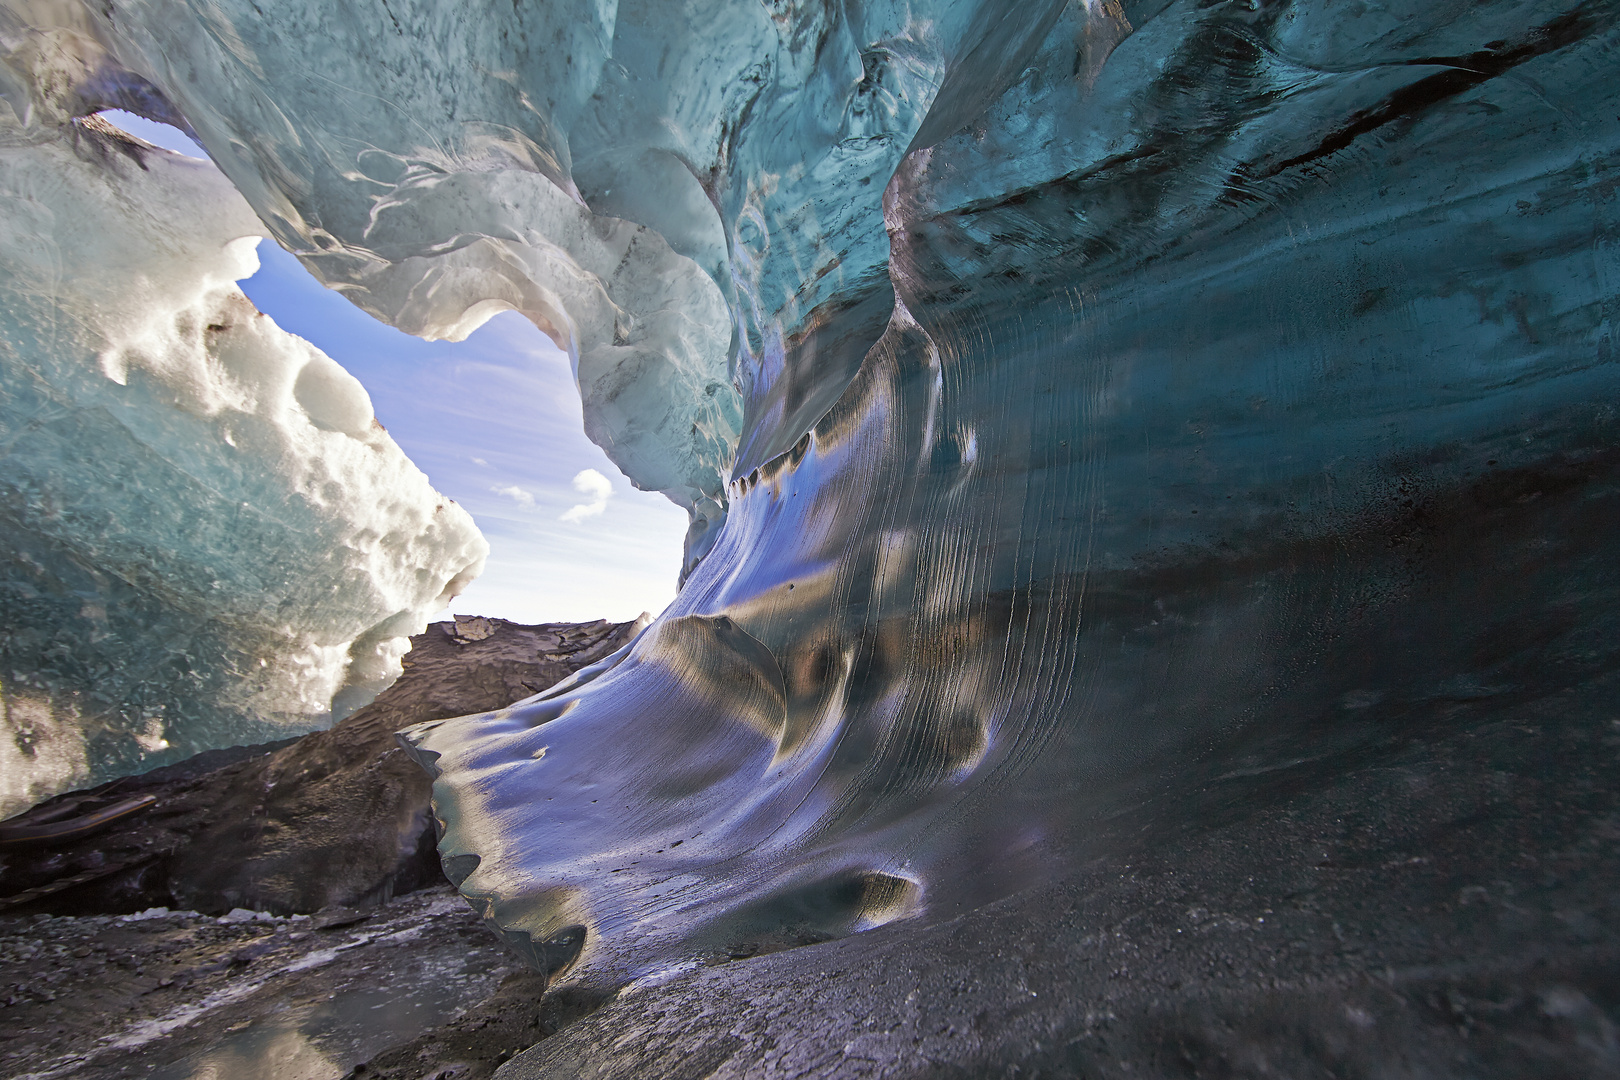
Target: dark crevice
[(1461, 74)]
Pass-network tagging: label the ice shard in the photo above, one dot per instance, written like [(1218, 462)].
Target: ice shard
[(207, 537), (1097, 418)]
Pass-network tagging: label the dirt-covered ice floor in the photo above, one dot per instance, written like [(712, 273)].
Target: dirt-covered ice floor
[(417, 989), (333, 823)]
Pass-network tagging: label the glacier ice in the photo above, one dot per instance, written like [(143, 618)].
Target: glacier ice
[(1082, 407), (208, 538)]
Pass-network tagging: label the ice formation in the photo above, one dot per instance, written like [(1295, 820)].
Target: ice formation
[(1079, 404), (208, 538)]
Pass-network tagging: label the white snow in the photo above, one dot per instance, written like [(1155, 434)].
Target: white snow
[(199, 509)]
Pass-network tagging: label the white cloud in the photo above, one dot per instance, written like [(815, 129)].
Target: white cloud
[(516, 494), (597, 489), (480, 461)]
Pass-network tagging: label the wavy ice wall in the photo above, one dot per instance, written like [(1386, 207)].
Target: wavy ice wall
[(1131, 408), (208, 538)]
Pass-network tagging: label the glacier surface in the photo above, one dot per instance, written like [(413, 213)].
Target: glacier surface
[(1086, 410), (208, 538)]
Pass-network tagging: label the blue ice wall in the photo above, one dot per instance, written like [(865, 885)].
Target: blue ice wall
[(1109, 400)]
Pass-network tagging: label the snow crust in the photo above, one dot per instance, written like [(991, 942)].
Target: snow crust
[(208, 539)]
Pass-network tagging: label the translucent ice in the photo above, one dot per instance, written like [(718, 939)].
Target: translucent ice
[(1123, 400), (208, 538)]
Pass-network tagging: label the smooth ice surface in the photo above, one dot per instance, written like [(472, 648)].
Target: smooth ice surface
[(208, 537), (1079, 404)]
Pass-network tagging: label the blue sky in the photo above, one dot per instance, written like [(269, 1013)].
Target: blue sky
[(495, 422)]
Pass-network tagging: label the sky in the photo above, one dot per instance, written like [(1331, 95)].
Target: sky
[(495, 423)]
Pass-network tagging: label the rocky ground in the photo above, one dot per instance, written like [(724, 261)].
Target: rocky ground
[(245, 996), (338, 817), (312, 934)]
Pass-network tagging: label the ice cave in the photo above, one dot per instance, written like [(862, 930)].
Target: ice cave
[(1153, 468)]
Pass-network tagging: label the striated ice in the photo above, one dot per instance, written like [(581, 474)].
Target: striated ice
[(1089, 412), (208, 538)]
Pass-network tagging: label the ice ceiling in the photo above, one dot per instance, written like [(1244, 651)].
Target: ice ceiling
[(1076, 403)]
